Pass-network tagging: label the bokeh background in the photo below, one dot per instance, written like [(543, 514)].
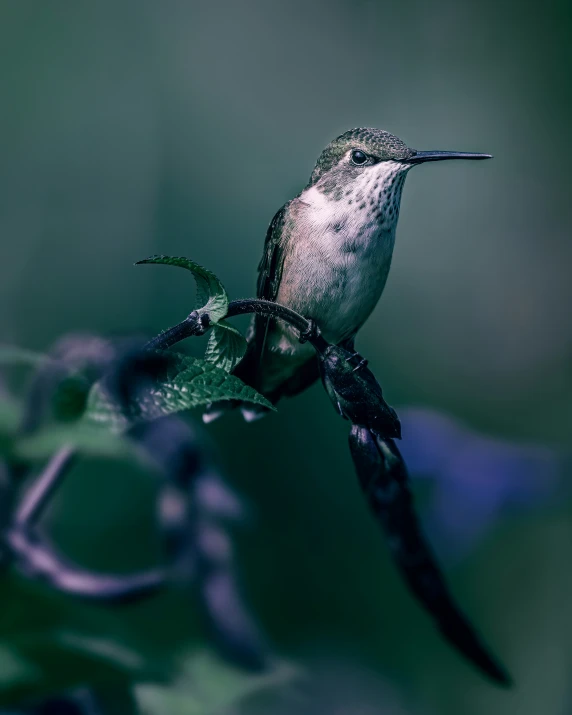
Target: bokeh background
[(136, 127)]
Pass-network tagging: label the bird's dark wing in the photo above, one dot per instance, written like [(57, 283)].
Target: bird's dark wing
[(269, 274), (383, 478), (252, 367), (270, 266)]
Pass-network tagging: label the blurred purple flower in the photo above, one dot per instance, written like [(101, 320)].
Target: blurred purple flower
[(476, 479)]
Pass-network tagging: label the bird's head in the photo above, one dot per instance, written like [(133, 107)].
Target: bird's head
[(367, 167)]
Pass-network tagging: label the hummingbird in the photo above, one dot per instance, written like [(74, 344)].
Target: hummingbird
[(327, 255)]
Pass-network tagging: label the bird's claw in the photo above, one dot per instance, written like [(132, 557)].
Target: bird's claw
[(311, 333)]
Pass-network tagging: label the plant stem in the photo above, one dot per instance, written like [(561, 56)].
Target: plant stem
[(190, 326), (268, 307), (195, 324), (43, 488), (35, 558)]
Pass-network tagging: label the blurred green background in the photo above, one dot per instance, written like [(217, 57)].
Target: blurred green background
[(132, 128)]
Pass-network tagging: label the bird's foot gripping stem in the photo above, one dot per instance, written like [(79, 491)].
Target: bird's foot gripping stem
[(311, 333)]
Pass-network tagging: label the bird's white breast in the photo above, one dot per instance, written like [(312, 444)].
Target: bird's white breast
[(337, 264)]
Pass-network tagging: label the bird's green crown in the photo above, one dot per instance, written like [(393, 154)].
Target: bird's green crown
[(375, 142)]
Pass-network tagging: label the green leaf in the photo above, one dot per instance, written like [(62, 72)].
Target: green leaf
[(70, 397), (50, 643), (53, 661), (211, 295), (70, 387), (188, 382), (12, 355), (87, 438), (10, 415), (208, 686), (10, 420), (226, 346)]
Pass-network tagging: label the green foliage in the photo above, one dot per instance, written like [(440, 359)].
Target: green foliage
[(50, 643), (90, 440), (207, 686), (10, 355), (10, 415), (211, 295), (226, 346), (70, 398), (187, 383), (47, 662)]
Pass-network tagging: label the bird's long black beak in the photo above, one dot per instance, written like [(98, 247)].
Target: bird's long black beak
[(422, 156)]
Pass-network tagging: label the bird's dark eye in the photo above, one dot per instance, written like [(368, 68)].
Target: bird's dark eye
[(358, 157)]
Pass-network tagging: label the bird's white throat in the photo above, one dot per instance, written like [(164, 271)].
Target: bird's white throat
[(339, 261)]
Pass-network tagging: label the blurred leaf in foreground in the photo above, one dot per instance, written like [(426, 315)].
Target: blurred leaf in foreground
[(11, 355), (50, 643), (10, 416), (207, 686), (88, 439), (34, 666)]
